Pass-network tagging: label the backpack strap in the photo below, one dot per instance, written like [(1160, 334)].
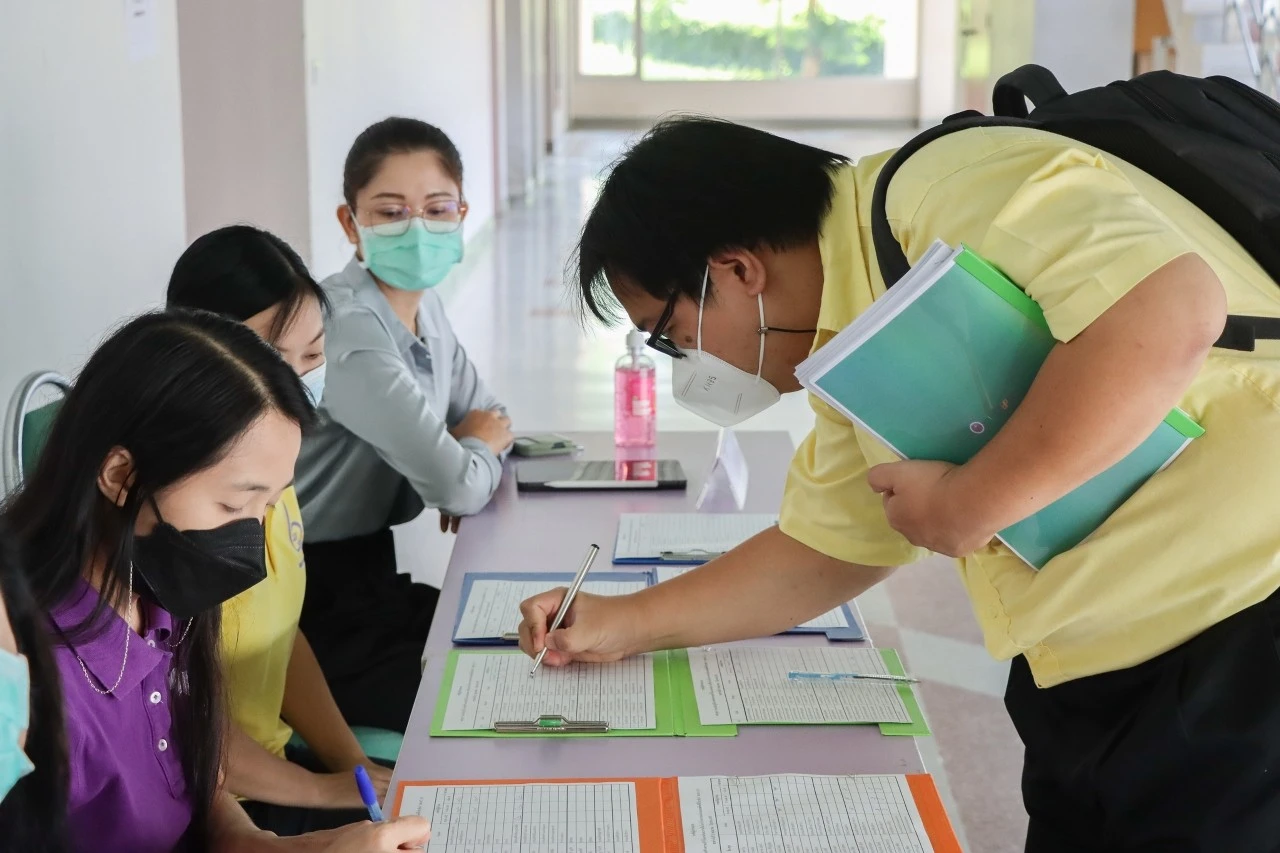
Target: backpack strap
[(1240, 332), (889, 255), (1033, 83)]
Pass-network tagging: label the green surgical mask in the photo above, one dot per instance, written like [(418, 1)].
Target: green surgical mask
[(417, 259), (15, 702)]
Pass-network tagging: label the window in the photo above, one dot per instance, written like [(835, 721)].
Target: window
[(607, 38), (748, 39)]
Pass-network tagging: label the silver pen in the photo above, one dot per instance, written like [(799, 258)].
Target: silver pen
[(851, 676), (567, 602)]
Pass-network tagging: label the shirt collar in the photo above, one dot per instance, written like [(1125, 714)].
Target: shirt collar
[(368, 293), (849, 286), (101, 646)]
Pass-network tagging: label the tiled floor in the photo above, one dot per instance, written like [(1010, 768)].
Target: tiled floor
[(509, 308)]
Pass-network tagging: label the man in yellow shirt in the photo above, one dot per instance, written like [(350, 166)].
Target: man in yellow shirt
[(1145, 681)]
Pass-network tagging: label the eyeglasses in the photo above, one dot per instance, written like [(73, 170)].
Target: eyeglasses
[(659, 341), (443, 216)]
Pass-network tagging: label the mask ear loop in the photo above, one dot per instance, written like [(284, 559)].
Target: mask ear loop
[(761, 332), (702, 299)]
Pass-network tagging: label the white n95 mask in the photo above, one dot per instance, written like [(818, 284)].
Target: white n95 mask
[(716, 390)]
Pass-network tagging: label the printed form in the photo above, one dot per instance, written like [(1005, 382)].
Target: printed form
[(531, 818), (495, 686), (836, 618), (650, 536), (493, 606), (814, 814), (750, 685)]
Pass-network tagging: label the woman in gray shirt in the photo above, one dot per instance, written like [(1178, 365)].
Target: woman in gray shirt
[(406, 422)]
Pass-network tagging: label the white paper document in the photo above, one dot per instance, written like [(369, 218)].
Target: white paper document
[(836, 618), (816, 814), (747, 684), (693, 537), (489, 687), (530, 818), (493, 606)]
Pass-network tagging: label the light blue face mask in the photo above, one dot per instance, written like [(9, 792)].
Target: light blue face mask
[(313, 381), (15, 716), (418, 259)]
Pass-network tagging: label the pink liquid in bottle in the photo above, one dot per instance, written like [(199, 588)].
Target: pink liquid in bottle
[(635, 413)]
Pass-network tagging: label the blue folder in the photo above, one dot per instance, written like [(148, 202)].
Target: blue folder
[(551, 579)]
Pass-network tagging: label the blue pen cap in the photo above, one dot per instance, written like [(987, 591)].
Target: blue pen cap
[(367, 794)]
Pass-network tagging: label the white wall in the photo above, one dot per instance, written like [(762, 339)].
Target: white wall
[(429, 59), (1084, 42), (91, 183), (937, 95), (244, 117)]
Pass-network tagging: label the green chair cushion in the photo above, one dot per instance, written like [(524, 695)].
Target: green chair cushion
[(35, 432), (382, 744)]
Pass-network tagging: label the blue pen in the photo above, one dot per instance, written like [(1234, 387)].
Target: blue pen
[(850, 676), (368, 795)]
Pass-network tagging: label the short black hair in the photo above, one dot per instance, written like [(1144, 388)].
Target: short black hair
[(395, 135), (694, 186), (240, 271)]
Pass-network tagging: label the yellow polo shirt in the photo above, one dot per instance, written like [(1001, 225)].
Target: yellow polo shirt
[(1076, 229), (258, 629)]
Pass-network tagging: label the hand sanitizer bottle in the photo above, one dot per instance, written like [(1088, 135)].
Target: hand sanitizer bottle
[(635, 413)]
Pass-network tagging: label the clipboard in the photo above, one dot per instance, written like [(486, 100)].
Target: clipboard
[(675, 708), (638, 543), (551, 579)]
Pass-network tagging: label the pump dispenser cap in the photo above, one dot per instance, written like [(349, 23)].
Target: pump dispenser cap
[(636, 340)]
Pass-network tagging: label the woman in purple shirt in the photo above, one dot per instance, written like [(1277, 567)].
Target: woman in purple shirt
[(143, 515)]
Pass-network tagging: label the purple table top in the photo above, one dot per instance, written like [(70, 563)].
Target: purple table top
[(550, 532)]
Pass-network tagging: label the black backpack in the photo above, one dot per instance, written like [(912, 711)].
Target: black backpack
[(1215, 141)]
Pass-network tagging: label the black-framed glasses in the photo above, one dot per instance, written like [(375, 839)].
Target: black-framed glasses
[(657, 339)]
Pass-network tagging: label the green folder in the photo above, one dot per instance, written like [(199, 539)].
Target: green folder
[(675, 703), (936, 367), (672, 708), (916, 728)]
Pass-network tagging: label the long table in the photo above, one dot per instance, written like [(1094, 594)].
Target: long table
[(550, 532)]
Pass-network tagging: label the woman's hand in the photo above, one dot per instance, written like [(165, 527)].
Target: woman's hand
[(404, 833), (491, 427)]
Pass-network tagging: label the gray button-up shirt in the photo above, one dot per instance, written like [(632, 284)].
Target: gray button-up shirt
[(383, 450)]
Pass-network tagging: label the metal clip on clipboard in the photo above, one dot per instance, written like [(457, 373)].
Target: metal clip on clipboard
[(686, 554), (551, 724)]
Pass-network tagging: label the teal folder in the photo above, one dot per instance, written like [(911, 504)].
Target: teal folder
[(935, 368)]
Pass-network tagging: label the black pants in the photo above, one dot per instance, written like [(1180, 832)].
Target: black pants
[(368, 626), (1180, 754), (296, 820)]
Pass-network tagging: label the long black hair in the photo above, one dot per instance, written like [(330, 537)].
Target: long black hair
[(176, 390), (33, 815), (694, 186), (239, 271)]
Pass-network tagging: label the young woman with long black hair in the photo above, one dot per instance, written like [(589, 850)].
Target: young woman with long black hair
[(142, 517)]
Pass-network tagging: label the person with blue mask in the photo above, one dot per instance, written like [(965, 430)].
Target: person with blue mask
[(275, 688), (406, 422), (33, 761)]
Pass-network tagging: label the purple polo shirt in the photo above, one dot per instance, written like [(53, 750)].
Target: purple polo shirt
[(128, 794)]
